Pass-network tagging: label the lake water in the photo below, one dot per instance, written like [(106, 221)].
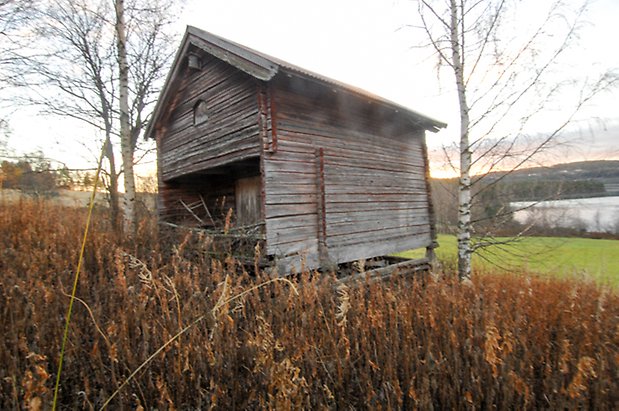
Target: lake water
[(590, 214)]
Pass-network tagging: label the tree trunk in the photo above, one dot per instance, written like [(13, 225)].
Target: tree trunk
[(464, 188), (129, 220), (113, 186)]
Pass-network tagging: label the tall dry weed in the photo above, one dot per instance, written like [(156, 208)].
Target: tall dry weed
[(503, 341)]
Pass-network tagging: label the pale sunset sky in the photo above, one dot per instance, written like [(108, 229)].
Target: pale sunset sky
[(367, 44)]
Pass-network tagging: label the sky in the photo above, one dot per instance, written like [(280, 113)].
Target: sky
[(368, 44)]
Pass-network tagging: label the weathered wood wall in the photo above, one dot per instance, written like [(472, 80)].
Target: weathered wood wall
[(205, 160), (231, 132), (346, 180), (342, 177)]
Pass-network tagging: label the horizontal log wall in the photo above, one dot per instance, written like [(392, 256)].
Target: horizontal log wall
[(231, 132), (369, 178), (343, 176)]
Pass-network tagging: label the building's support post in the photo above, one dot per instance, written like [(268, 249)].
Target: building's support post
[(430, 254)]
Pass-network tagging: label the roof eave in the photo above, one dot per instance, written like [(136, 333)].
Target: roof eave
[(163, 95), (233, 54)]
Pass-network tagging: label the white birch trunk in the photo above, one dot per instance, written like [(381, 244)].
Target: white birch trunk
[(464, 188), (129, 220), (113, 184)]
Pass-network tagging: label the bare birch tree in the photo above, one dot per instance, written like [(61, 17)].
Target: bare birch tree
[(12, 15), (3, 137), (101, 62), (125, 128), (504, 79)]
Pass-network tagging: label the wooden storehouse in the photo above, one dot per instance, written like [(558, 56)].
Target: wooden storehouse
[(320, 172)]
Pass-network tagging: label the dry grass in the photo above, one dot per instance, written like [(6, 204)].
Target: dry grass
[(502, 341), (70, 198)]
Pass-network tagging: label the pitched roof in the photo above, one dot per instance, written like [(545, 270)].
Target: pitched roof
[(265, 67)]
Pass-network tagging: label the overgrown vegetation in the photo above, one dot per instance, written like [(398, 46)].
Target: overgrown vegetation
[(586, 259), (501, 341)]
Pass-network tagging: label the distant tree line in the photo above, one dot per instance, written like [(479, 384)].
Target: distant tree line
[(582, 170), (543, 189), (35, 174)]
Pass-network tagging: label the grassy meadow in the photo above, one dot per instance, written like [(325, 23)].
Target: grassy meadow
[(171, 321), (565, 257)]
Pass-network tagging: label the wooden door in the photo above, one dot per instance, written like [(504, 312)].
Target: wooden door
[(248, 201)]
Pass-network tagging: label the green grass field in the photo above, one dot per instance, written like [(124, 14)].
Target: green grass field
[(564, 257)]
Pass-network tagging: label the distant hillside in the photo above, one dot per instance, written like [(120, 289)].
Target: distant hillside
[(561, 181), (604, 174), (578, 170)]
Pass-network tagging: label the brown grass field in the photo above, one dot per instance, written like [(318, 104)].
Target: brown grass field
[(503, 341)]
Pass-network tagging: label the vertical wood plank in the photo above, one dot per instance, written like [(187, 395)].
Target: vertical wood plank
[(323, 251), (273, 117)]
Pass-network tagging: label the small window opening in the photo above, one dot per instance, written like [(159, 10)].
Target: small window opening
[(200, 113)]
